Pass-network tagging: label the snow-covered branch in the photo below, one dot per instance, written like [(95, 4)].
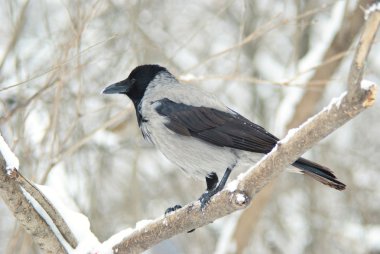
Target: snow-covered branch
[(22, 209)]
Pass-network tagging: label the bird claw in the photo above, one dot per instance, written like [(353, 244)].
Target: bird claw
[(205, 199), (172, 209)]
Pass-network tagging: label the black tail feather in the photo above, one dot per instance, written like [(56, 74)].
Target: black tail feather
[(318, 172)]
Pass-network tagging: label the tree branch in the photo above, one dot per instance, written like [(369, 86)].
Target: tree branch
[(49, 208), (26, 214), (361, 54)]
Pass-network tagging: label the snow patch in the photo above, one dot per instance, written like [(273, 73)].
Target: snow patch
[(374, 7), (47, 219), (10, 158), (335, 102), (240, 198), (165, 222), (142, 223), (366, 84), (77, 222), (106, 247), (232, 186), (288, 136)]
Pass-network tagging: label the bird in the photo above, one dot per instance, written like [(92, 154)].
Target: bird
[(196, 131)]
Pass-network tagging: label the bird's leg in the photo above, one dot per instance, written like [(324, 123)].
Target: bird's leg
[(205, 198), (211, 181)]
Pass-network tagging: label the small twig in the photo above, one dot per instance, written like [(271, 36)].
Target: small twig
[(16, 34), (272, 24), (365, 42), (70, 150)]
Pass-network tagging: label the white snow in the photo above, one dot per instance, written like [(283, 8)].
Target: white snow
[(374, 7), (47, 219), (10, 158), (288, 136), (80, 226), (366, 84), (77, 222), (240, 198), (335, 102), (142, 223), (106, 247), (232, 186)]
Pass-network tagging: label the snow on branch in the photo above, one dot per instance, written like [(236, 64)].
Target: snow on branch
[(70, 230), (20, 206), (10, 158)]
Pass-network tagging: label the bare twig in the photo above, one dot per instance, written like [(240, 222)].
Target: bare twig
[(357, 67), (70, 150), (18, 28), (270, 25)]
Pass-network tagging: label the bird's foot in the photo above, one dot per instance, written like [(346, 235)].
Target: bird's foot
[(205, 197), (172, 209)]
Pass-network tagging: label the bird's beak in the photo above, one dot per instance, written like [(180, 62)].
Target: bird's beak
[(119, 87)]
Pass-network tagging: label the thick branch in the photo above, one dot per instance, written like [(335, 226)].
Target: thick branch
[(26, 214)]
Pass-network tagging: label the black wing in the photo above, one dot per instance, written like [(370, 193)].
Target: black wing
[(216, 127)]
